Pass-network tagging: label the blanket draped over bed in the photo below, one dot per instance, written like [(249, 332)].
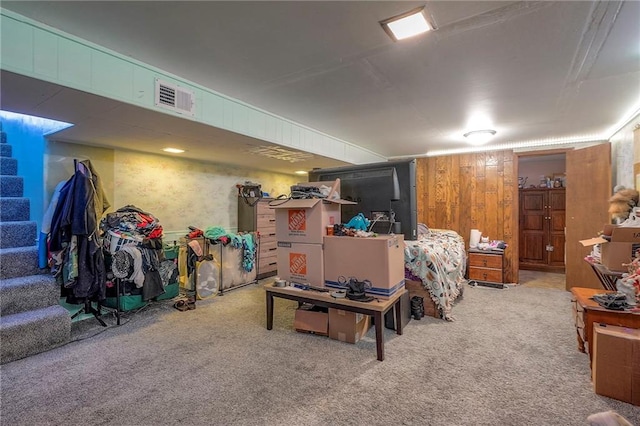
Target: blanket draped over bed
[(439, 259)]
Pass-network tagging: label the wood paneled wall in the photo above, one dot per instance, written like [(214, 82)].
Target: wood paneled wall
[(472, 191)]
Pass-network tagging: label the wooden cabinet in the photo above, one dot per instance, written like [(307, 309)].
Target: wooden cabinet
[(487, 267), (542, 229), (261, 218)]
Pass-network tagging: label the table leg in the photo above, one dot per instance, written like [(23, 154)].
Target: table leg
[(269, 310), (398, 309), (580, 342), (378, 319)]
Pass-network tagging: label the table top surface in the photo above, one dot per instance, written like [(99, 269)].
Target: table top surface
[(374, 305), (583, 297)]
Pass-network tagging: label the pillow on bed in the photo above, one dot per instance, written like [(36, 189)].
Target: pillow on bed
[(422, 229)]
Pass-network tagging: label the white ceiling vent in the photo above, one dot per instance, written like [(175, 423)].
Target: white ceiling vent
[(174, 97)]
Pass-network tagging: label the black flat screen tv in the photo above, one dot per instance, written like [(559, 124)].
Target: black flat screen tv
[(385, 193)]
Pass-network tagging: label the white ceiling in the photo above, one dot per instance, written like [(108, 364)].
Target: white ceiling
[(532, 70)]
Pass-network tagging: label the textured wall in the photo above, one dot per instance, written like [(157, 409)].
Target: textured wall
[(178, 192), (182, 192)]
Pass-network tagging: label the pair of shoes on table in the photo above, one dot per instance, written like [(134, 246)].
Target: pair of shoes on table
[(185, 305)]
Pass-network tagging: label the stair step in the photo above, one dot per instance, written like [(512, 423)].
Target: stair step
[(32, 332), (6, 150), (14, 209), (11, 186), (19, 262), (22, 294), (8, 166), (18, 234)]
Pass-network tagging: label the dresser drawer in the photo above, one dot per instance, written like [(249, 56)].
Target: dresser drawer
[(263, 208), (268, 247), (485, 274), (485, 260), (266, 262), (265, 221), (267, 232), (271, 267)]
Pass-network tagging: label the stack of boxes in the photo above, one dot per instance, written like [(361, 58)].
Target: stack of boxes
[(307, 256), (301, 225)]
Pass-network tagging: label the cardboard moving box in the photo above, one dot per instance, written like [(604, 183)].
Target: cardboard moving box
[(616, 362), (347, 326), (300, 263), (311, 319), (620, 250), (306, 220), (377, 259)]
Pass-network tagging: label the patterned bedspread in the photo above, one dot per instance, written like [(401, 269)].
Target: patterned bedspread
[(439, 259)]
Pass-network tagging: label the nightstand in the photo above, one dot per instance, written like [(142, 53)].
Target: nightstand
[(487, 267)]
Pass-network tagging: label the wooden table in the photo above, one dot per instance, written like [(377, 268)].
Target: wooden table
[(376, 308), (588, 312)]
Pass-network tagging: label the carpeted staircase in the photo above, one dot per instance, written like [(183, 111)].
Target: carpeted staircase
[(31, 319)]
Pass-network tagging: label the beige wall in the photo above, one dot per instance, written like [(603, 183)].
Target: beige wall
[(178, 192), (625, 153)]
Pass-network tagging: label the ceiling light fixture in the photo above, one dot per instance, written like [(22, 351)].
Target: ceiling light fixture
[(479, 137), (173, 150), (406, 25), (301, 172)]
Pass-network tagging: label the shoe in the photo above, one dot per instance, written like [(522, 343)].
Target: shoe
[(417, 307), (185, 305)]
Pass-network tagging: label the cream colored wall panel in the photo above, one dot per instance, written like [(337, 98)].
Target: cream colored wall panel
[(227, 114), (212, 110), (111, 76), (17, 45), (271, 128), (240, 118), (45, 54), (287, 131), (296, 136), (74, 64), (257, 124), (143, 87)]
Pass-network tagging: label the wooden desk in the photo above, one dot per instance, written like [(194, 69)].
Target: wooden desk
[(587, 311), (376, 309)]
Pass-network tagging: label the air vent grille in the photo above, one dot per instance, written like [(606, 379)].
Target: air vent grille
[(174, 97)]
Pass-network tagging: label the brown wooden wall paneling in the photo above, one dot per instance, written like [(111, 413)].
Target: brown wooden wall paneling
[(472, 191)]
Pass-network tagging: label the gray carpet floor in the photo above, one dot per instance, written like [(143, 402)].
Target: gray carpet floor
[(510, 358)]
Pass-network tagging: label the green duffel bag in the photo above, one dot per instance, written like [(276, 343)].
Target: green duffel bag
[(170, 291), (127, 303)]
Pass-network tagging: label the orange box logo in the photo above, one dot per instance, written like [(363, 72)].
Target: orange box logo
[(298, 263), (297, 220)]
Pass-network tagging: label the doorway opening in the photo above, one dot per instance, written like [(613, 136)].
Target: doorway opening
[(541, 218)]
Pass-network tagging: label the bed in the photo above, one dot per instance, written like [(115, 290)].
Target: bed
[(437, 260)]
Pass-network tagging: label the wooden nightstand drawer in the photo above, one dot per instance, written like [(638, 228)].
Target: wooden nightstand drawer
[(485, 274), (485, 260)]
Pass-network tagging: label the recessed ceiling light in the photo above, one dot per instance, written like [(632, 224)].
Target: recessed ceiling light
[(406, 25), (301, 172), (174, 150), (479, 137)]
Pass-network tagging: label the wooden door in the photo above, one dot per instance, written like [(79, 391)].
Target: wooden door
[(588, 191), (533, 228), (557, 221)]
